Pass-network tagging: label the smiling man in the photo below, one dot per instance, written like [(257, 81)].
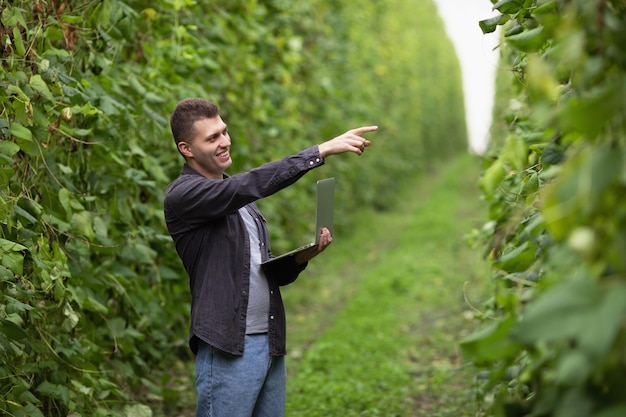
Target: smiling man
[(237, 329)]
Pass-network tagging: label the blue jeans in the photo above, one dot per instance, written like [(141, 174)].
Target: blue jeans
[(252, 385)]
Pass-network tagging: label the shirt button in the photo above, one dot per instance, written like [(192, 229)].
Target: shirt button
[(272, 292), (271, 317)]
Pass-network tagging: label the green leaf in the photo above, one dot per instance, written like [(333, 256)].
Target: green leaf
[(32, 411), (38, 84), (575, 310), (518, 259), (21, 132), (32, 207), (24, 395), (492, 343), (24, 215), (592, 112), (153, 98), (15, 306), (10, 246), (572, 368), (65, 200), (11, 16), (83, 224), (12, 330), (542, 82), (137, 410), (94, 305), (62, 226), (490, 25), (81, 133), (5, 273), (8, 148), (57, 391), (515, 152), (136, 85), (14, 261), (52, 52), (530, 184), (72, 318), (514, 31), (101, 229), (139, 253), (71, 19), (155, 116), (528, 41), (14, 89), (581, 187), (546, 7), (59, 290), (553, 155), (492, 177), (509, 6), (18, 42)]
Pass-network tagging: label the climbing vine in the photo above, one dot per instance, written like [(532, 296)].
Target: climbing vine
[(94, 302), (555, 331)]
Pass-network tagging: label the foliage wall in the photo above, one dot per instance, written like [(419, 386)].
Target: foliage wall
[(94, 302), (554, 342)]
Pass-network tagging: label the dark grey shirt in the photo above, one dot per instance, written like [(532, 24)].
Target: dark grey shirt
[(211, 239)]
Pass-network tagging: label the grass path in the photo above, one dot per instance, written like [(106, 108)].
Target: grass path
[(374, 322)]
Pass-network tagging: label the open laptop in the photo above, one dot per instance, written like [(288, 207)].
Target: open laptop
[(323, 216)]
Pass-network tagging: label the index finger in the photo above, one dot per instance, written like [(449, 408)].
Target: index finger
[(363, 129)]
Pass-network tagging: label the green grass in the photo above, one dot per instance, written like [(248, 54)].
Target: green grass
[(374, 322)]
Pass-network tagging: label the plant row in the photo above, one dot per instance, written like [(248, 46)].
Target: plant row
[(555, 179), (93, 299)]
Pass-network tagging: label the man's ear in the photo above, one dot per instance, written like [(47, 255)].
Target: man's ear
[(185, 149)]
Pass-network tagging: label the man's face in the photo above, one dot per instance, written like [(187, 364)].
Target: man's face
[(209, 151)]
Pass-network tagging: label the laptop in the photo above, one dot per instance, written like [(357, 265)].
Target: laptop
[(323, 216)]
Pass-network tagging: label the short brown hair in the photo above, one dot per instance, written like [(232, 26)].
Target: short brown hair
[(186, 113)]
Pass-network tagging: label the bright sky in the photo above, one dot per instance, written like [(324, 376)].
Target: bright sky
[(478, 60)]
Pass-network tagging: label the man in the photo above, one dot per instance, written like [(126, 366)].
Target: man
[(237, 327)]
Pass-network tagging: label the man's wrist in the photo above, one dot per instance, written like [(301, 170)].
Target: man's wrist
[(323, 150)]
